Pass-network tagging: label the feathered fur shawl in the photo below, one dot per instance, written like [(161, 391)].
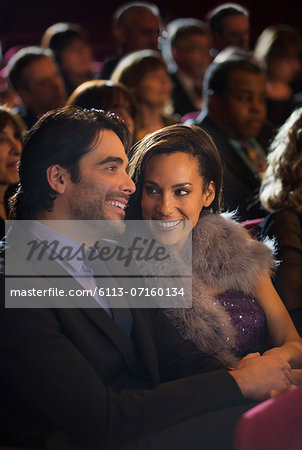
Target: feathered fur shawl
[(224, 257)]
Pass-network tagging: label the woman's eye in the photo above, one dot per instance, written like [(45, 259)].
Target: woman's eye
[(181, 192), (151, 190)]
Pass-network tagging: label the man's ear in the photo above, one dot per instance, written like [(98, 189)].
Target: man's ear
[(209, 194), (57, 178)]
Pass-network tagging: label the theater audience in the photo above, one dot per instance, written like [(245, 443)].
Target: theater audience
[(36, 78), (190, 46), (136, 27), (281, 195), (145, 74), (102, 94), (72, 52), (178, 176), (229, 26), (234, 114), (11, 131), (279, 51)]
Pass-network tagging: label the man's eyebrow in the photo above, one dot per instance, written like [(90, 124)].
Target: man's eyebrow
[(111, 159)]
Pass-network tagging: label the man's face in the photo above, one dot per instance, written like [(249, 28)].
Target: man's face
[(241, 110), (104, 187), (193, 55), (45, 88), (235, 32), (142, 33)]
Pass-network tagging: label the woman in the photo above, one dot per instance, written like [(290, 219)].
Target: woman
[(72, 52), (11, 130), (178, 173), (279, 50), (145, 74), (281, 195), (103, 94)]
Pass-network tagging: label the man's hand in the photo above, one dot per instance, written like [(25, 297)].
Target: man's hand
[(262, 377)]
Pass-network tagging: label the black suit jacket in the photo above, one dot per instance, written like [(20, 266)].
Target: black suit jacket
[(240, 184), (182, 103), (75, 370)]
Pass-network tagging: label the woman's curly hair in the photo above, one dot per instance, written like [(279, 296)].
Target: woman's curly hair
[(282, 183)]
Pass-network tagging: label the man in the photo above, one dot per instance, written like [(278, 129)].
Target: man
[(190, 46), (136, 27), (35, 77), (229, 26), (233, 115), (75, 376)]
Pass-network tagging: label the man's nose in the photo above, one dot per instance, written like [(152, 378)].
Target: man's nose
[(127, 185)]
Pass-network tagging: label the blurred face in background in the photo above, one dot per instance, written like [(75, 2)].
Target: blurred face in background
[(155, 88), (283, 68), (235, 31), (241, 110), (139, 31), (10, 152), (45, 87), (124, 110), (77, 58), (193, 55)]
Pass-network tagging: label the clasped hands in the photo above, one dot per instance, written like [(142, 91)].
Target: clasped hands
[(262, 377)]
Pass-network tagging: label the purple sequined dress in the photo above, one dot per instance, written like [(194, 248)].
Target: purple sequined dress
[(249, 321)]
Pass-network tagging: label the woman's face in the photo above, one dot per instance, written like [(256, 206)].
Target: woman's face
[(123, 109), (284, 69), (10, 152), (173, 194), (155, 88)]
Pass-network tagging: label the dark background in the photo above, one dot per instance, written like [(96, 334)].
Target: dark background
[(22, 21)]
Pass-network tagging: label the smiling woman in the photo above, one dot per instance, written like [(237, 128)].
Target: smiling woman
[(11, 129), (178, 176)]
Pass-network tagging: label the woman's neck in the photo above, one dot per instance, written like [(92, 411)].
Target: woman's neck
[(278, 90), (149, 117)]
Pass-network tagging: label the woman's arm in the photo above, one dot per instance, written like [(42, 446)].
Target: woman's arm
[(283, 334)]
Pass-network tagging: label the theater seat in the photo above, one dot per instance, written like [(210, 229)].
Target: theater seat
[(253, 226), (272, 425)]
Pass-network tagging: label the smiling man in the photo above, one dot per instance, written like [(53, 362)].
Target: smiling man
[(234, 114), (93, 376)]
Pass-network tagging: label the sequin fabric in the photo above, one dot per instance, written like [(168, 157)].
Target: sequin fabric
[(249, 321)]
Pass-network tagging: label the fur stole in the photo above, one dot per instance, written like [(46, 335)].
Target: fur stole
[(223, 257)]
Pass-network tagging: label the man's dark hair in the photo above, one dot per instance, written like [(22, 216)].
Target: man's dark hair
[(120, 16), (216, 16), (217, 75), (183, 28), (62, 136), (18, 63)]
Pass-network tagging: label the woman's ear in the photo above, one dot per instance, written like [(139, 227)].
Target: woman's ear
[(57, 178), (209, 194)]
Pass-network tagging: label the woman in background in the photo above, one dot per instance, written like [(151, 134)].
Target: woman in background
[(279, 51), (11, 130), (145, 74), (103, 94), (178, 175), (281, 195)]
